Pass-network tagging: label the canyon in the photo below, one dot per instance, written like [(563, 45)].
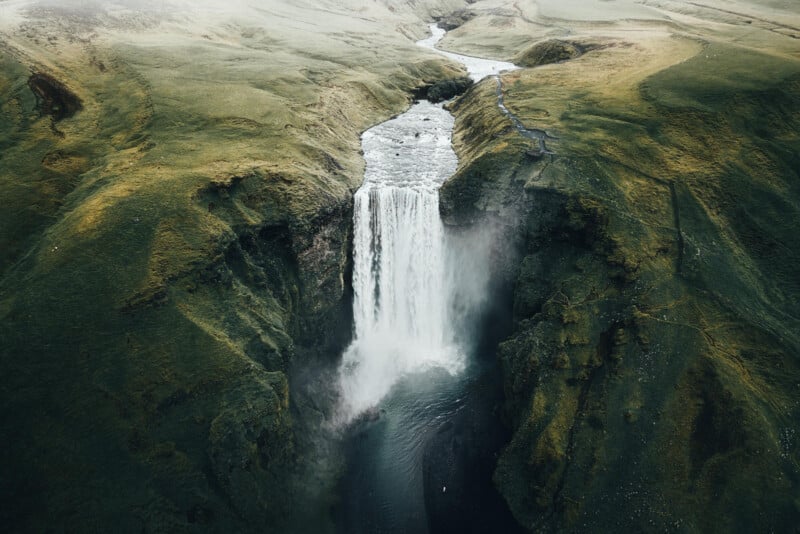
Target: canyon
[(177, 264)]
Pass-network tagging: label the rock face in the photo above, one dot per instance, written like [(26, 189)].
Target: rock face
[(174, 238), (455, 19), (443, 89), (52, 97), (652, 375)]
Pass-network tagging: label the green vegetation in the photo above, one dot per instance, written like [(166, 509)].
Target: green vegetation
[(175, 235), (652, 376)]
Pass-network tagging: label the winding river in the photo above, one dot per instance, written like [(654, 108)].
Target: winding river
[(416, 394)]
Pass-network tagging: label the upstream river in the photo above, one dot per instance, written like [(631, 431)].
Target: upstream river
[(420, 390)]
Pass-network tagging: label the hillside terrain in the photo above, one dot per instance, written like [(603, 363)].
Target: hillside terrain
[(652, 379), (177, 182), (175, 249)]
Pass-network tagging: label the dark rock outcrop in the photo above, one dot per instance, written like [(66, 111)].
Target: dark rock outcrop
[(442, 90), (455, 19), (53, 97), (547, 52)]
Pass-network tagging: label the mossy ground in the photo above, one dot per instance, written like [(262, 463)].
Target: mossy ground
[(653, 374), (168, 250)]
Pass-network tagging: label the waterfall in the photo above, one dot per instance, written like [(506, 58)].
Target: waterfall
[(401, 278), (420, 323), (414, 286)]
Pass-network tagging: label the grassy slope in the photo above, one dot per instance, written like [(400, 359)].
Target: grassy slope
[(166, 251), (653, 376)]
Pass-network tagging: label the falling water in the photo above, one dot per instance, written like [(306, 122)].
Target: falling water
[(407, 277), (400, 276)]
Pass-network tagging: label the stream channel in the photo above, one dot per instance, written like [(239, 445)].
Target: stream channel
[(419, 383)]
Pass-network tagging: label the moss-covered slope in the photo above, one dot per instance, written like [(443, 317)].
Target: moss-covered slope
[(176, 209), (653, 376)]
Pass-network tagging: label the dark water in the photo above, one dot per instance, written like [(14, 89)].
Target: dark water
[(424, 466)]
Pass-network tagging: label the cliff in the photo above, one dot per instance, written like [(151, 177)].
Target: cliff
[(651, 379), (175, 239)]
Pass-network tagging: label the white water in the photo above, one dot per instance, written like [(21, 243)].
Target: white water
[(408, 276), (478, 68), (400, 280)]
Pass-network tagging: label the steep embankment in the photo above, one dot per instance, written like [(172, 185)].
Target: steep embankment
[(177, 189), (652, 378)]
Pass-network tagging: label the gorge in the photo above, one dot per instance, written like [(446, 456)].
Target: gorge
[(419, 290), (245, 286)]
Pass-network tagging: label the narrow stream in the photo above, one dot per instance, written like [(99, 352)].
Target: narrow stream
[(479, 69), (418, 393)]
